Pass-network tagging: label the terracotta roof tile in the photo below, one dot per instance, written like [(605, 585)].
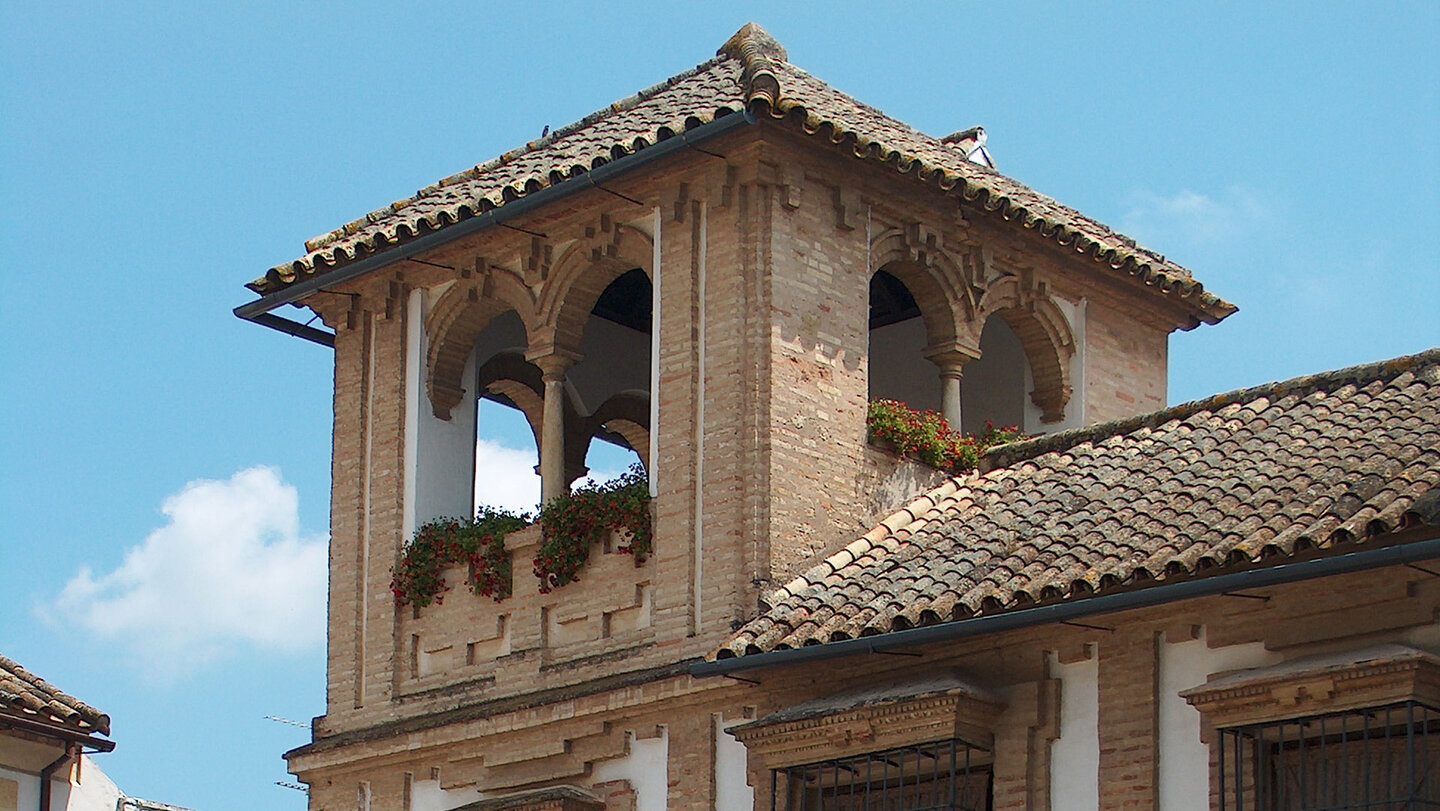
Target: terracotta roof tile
[(1255, 476), (27, 696), (750, 73)]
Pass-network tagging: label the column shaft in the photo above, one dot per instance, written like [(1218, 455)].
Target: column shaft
[(950, 397), (552, 441)]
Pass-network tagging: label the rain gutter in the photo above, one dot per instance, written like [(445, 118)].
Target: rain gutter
[(1398, 554), (260, 310)]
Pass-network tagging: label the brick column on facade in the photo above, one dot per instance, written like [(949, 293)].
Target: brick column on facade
[(1129, 723), (818, 343), (692, 762), (1031, 721), (342, 666), (673, 330), (386, 497)]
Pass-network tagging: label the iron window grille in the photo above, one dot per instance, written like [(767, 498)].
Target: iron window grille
[(1383, 758), (949, 774)]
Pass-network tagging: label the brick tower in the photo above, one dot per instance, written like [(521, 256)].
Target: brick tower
[(717, 273)]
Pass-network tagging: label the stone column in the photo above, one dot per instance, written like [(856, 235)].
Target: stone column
[(553, 483), (951, 362)]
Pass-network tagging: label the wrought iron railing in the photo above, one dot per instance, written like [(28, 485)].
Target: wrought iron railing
[(1383, 759), (951, 775)]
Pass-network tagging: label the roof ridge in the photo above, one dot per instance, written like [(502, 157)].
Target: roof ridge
[(757, 52), (1003, 456), (751, 72), (627, 103)]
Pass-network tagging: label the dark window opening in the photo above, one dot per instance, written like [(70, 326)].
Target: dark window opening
[(890, 301), (627, 301), (949, 774), (1385, 758)]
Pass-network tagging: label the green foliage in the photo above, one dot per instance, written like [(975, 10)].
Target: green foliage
[(419, 574), (573, 523), (926, 437)]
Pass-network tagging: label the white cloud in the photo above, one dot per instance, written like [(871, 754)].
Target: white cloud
[(505, 477), (229, 570), (1194, 219)]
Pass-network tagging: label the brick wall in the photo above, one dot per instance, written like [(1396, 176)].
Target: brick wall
[(762, 465)]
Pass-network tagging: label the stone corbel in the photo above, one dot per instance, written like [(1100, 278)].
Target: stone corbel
[(682, 203), (722, 189), (847, 208), (1051, 402), (792, 184), (537, 264), (924, 242)]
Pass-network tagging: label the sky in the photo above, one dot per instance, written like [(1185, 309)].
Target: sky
[(164, 466)]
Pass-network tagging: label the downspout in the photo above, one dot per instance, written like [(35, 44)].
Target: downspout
[(260, 310), (1401, 551), (72, 750)]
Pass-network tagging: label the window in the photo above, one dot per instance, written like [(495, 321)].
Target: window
[(948, 774), (1351, 730), (1376, 758), (923, 744)]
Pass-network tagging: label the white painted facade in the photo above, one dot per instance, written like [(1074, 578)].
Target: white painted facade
[(1075, 755), (439, 454), (1184, 779), (92, 790), (646, 767), (732, 792), (426, 795)]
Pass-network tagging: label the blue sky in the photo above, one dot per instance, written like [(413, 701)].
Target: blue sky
[(165, 471)]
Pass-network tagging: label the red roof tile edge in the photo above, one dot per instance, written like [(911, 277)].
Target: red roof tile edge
[(34, 699), (763, 93)]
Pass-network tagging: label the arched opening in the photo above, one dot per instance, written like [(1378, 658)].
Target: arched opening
[(610, 386), (508, 411), (994, 386), (898, 338)]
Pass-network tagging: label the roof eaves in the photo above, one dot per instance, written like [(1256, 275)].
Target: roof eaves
[(27, 697), (797, 608)]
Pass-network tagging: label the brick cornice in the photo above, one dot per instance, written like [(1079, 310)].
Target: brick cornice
[(780, 743), (1274, 694)]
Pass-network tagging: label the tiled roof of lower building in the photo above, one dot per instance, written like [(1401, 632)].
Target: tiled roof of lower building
[(1314, 465), (26, 696), (750, 73)]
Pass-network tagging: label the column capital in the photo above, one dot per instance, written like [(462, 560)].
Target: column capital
[(951, 357), (553, 361)]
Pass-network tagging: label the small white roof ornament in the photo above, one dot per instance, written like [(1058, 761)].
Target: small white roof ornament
[(972, 143)]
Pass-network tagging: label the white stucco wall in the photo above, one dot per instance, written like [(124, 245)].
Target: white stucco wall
[(647, 769), (732, 791), (426, 795), (96, 791), (1184, 779), (440, 454), (1075, 755)]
